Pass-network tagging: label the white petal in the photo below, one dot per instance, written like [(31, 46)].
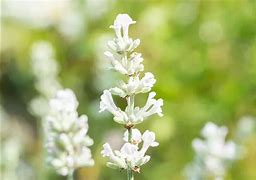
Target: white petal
[(122, 20), (129, 149), (152, 106), (118, 91), (107, 151), (148, 138), (199, 146), (211, 130), (107, 102)]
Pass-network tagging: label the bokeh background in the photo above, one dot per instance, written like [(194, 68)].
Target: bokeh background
[(202, 53)]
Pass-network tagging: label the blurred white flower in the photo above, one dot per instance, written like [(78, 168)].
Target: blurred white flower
[(39, 106), (246, 127), (130, 156), (45, 69), (213, 154), (72, 24), (63, 15), (64, 100), (38, 14), (42, 60), (67, 140), (47, 86)]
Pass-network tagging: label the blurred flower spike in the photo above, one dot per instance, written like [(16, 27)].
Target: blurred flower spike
[(67, 141), (45, 70), (213, 155)]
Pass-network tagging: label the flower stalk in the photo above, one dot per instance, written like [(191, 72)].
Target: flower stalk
[(129, 174), (70, 176), (129, 63), (129, 170)]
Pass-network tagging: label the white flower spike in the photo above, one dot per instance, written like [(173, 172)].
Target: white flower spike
[(129, 63)]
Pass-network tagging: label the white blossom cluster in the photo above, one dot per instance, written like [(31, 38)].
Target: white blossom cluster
[(213, 154), (130, 155), (67, 140), (129, 63), (45, 70)]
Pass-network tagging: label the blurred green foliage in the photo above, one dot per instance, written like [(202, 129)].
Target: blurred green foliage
[(203, 55)]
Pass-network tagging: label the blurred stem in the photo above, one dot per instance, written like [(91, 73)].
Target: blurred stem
[(129, 170), (129, 174), (70, 176)]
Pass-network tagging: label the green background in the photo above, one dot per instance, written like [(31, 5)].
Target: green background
[(203, 56)]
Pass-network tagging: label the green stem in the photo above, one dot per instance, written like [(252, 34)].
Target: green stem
[(70, 176), (130, 103), (129, 170), (129, 174)]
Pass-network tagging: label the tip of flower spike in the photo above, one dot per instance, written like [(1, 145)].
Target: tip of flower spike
[(64, 100), (211, 130), (122, 20)]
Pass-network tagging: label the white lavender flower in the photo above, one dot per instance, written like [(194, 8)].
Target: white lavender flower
[(45, 69), (129, 63), (137, 115), (134, 85), (130, 156), (67, 140), (212, 154), (123, 43)]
